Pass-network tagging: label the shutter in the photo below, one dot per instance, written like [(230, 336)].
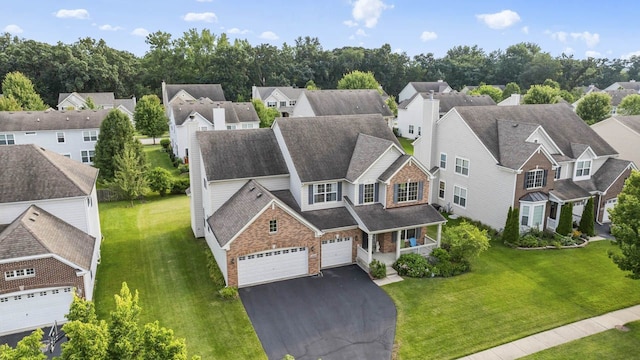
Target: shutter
[(394, 236), (375, 192), (420, 186), (339, 191), (395, 193), (310, 194), (418, 233), (361, 196), (544, 178), (526, 176)]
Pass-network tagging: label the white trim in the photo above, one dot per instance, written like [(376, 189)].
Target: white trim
[(455, 166), (557, 148), (444, 190), (357, 180), (630, 165), (44, 256), (414, 161), (446, 161), (247, 178), (546, 154), (466, 196)]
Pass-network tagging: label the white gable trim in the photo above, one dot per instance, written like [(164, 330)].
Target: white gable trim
[(44, 256), (411, 160), (623, 125), (592, 155), (196, 117), (631, 165), (392, 146), (249, 178), (180, 93), (447, 115), (546, 135), (545, 152)]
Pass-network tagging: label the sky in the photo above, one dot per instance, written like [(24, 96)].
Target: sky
[(607, 29)]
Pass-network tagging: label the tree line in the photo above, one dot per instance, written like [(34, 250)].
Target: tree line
[(200, 56)]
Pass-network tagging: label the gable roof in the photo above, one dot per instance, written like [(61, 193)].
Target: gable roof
[(211, 91), (632, 85), (367, 150), (288, 91), (38, 174), (558, 120), (618, 95), (51, 120), (245, 112), (324, 219), (631, 121), (322, 147), (447, 101), (99, 98), (346, 102), (427, 86), (609, 172), (37, 232), (240, 154), (129, 104), (233, 112)]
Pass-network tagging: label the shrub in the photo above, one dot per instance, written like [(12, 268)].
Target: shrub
[(165, 144), (413, 265), (440, 254), (183, 168), (511, 231), (565, 224), (180, 186), (377, 269), (465, 241), (177, 162), (229, 293), (214, 271), (159, 180), (528, 241), (587, 221)]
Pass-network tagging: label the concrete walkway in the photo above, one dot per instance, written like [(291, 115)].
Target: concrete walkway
[(554, 337)]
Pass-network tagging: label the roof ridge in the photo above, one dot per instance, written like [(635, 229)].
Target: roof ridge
[(63, 171)]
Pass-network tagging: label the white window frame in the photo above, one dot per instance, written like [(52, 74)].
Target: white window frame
[(4, 139), (321, 195), (272, 104), (419, 130), (282, 104), (247, 126), (581, 169), (443, 161), (67, 155), (231, 127), (203, 128), (292, 103), (19, 274), (273, 226), (460, 165), (410, 129), (557, 173), (459, 198), (442, 189), (30, 133), (87, 154), (530, 212), (407, 191), (405, 234), (368, 193), (92, 135), (60, 135), (534, 179)]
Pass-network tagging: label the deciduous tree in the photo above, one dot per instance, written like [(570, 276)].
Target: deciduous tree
[(150, 118), (116, 131), (625, 219), (465, 241), (359, 80), (159, 180), (509, 89), (594, 107), (29, 348), (266, 115), (492, 91), (542, 94), (19, 87), (130, 179), (630, 105)]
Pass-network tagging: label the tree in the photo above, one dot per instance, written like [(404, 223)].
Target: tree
[(266, 115), (159, 180), (82, 310), (123, 331), (542, 94), (565, 224), (630, 105), (359, 80), (27, 349), (587, 221), (511, 232), (490, 90), (594, 107), (87, 340), (115, 132), (17, 86), (510, 88), (129, 177), (89, 104), (160, 343), (465, 241), (9, 103), (392, 104), (150, 118), (551, 83), (625, 219), (311, 85)]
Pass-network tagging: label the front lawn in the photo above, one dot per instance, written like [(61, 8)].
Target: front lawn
[(152, 248), (507, 295)]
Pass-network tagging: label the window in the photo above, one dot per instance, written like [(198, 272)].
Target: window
[(283, 103), (60, 137), (325, 192), (271, 104), (558, 173), (532, 215), (20, 273), (460, 196), (368, 195), (87, 156), (292, 102), (583, 168), (407, 191), (443, 161), (408, 234), (273, 226), (30, 133), (462, 166), (441, 189), (410, 129), (535, 179), (231, 127), (553, 211), (67, 155), (89, 202), (91, 135), (203, 128), (204, 183), (247, 126), (4, 300), (524, 213), (419, 130), (7, 139)]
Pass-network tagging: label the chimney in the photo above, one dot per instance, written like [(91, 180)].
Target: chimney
[(426, 147), (219, 118)]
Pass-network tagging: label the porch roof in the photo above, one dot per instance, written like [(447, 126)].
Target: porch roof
[(567, 190), (375, 218), (535, 197), (325, 219)]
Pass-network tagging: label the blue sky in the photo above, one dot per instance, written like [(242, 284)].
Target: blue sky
[(582, 28)]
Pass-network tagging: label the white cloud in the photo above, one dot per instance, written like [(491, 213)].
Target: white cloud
[(204, 17), (591, 53), (108, 27), (589, 38), (499, 20), (269, 35), (525, 29), (350, 23), (558, 35), (361, 32), (568, 51), (369, 11), (428, 35), (629, 55), (140, 32), (13, 29), (237, 31), (74, 14)]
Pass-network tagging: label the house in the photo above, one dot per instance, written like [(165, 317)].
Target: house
[(623, 133), (514, 99), (210, 115), (101, 100), (307, 194), (72, 133), (190, 92), (627, 85), (414, 87), (412, 111), (616, 98), (49, 236), (283, 98), (342, 102), (469, 88), (532, 157)]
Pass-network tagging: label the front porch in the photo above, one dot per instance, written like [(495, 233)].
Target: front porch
[(390, 249)]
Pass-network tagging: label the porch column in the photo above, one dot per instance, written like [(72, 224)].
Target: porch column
[(438, 236), (398, 245), (369, 248)]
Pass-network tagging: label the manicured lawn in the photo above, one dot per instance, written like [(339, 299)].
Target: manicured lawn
[(610, 345), (152, 248), (508, 295), (156, 157), (406, 145)]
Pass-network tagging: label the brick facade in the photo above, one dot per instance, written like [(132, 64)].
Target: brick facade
[(387, 245), (49, 272), (613, 192), (537, 161), (410, 172), (354, 234)]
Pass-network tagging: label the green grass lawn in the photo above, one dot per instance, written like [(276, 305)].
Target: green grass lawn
[(508, 294), (158, 158), (611, 345), (406, 145), (152, 248)]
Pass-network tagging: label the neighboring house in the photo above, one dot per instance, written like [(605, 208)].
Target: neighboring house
[(102, 100), (411, 112), (342, 102), (49, 236), (514, 99), (623, 133), (190, 92), (283, 98), (627, 85), (616, 97), (415, 87), (469, 88), (307, 194), (72, 133), (210, 115), (532, 157)]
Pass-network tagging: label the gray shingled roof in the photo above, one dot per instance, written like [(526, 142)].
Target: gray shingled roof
[(368, 149), (566, 189), (37, 232), (233, 112), (288, 91), (325, 219), (514, 151), (347, 102), (240, 154), (609, 172), (38, 174), (632, 121), (435, 86), (322, 147), (631, 85), (245, 112), (376, 218), (129, 104), (618, 95), (450, 100), (395, 166), (558, 120), (51, 120), (101, 98), (211, 91)]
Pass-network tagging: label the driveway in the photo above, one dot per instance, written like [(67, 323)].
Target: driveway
[(341, 315), (12, 340)]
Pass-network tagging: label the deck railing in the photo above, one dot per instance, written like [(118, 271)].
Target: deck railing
[(424, 250)]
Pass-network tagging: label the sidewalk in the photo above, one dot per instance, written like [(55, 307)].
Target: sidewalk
[(563, 334)]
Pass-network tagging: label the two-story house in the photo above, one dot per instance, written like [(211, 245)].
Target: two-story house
[(283, 98), (623, 133), (49, 236), (190, 92), (307, 194), (532, 157), (102, 100), (415, 87), (72, 133)]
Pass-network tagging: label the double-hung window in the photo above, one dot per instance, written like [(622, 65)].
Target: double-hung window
[(273, 226), (410, 129), (462, 166), (535, 179), (7, 139), (91, 135), (272, 104), (558, 173), (368, 195), (407, 191), (460, 196), (87, 156), (325, 192), (60, 137), (583, 168), (443, 161), (441, 189)]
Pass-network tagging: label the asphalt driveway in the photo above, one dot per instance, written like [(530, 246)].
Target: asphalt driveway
[(341, 315)]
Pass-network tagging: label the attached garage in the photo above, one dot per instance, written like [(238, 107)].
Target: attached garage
[(272, 265), (34, 309), (336, 252), (609, 204)]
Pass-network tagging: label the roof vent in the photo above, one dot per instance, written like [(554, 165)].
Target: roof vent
[(38, 119), (32, 219), (87, 118), (514, 125), (259, 194), (252, 188), (36, 213), (67, 118)]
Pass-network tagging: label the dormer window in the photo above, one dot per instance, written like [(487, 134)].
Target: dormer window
[(583, 168), (325, 192)]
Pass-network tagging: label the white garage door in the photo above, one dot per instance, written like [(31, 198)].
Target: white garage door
[(609, 204), (33, 310), (336, 252), (272, 265)]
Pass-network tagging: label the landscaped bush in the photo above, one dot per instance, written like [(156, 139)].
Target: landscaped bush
[(377, 269), (535, 238), (159, 180), (413, 265), (214, 271), (177, 162), (183, 168), (229, 293), (179, 186), (165, 144)]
